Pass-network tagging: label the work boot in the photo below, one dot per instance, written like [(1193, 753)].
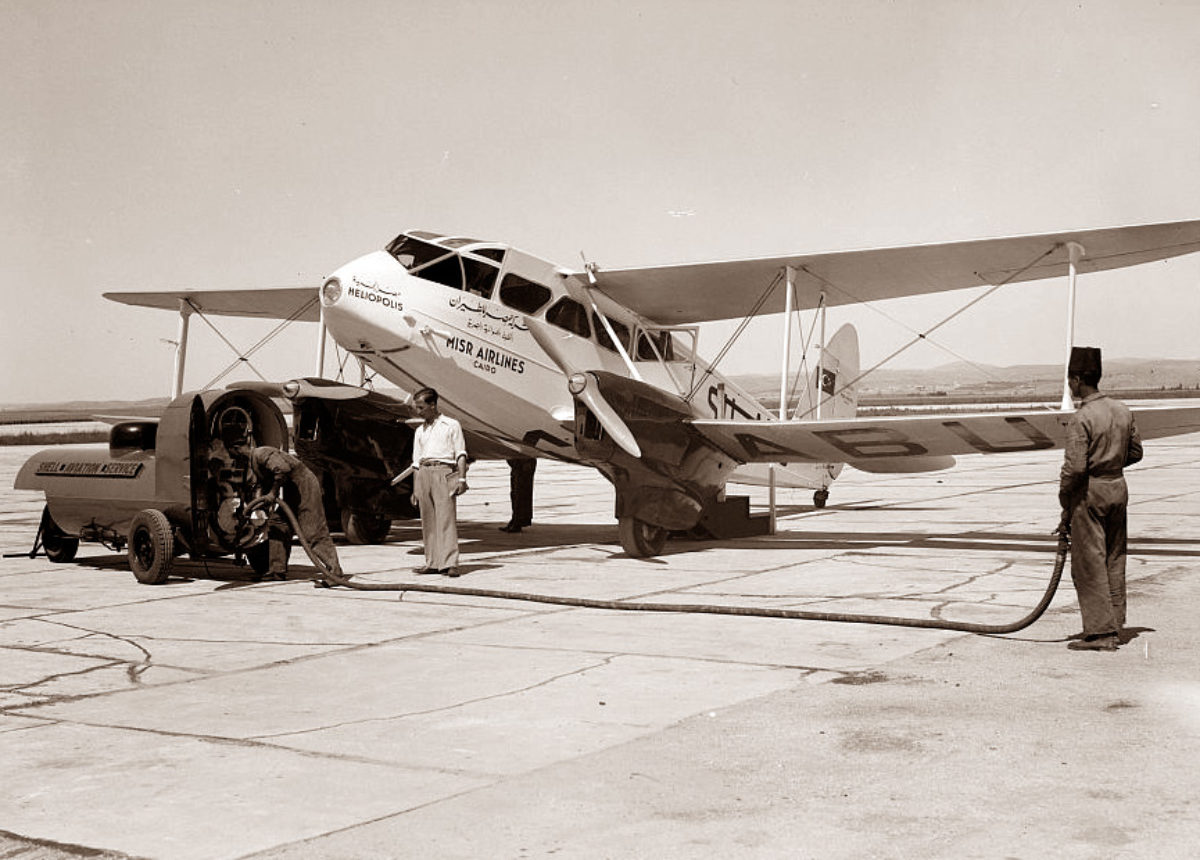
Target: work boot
[(1104, 642)]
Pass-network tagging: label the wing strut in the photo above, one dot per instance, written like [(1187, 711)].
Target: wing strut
[(321, 330), (1075, 251), (185, 312)]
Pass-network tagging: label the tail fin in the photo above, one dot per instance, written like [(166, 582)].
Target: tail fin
[(833, 392)]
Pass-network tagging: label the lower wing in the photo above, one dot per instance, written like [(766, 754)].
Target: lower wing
[(905, 443)]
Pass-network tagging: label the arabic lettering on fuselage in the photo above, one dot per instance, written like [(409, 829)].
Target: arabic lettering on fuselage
[(509, 321)]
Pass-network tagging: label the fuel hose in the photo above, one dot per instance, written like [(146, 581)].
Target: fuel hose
[(333, 577)]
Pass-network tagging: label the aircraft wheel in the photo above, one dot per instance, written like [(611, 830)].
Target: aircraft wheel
[(60, 547), (640, 539), (820, 497), (363, 528), (151, 547)]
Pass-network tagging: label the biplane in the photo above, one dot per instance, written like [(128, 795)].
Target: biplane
[(600, 366)]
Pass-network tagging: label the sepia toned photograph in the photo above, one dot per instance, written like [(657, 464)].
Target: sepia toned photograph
[(599, 429)]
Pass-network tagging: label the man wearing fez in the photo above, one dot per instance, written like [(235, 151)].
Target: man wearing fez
[(1102, 440)]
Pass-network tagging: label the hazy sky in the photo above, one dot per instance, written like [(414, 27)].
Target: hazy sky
[(161, 145)]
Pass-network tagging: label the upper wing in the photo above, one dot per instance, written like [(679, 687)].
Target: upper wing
[(277, 303), (879, 444), (698, 292)]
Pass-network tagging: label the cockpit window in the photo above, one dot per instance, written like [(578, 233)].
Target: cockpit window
[(481, 277), (447, 272), (411, 253), (522, 295), (648, 340), (620, 329), (496, 254), (458, 242), (569, 314)]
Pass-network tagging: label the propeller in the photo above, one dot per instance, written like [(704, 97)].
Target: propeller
[(583, 387), (297, 389)]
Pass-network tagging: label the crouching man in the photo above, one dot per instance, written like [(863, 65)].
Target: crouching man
[(279, 473)]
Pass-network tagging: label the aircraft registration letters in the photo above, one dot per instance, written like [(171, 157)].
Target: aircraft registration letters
[(970, 435)]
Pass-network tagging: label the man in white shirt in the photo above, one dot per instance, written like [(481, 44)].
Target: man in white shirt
[(439, 478)]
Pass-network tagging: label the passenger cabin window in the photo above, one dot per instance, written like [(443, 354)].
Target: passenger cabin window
[(620, 329), (646, 342), (481, 277), (569, 314), (522, 295)]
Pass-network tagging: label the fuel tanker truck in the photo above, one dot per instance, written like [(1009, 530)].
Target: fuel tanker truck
[(160, 489)]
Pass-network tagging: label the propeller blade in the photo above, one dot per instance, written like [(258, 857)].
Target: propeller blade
[(551, 343), (612, 423)]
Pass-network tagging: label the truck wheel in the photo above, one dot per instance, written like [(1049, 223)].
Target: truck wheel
[(640, 539), (363, 528), (151, 547), (59, 546)]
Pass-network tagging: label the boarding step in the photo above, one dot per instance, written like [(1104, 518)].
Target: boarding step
[(731, 518)]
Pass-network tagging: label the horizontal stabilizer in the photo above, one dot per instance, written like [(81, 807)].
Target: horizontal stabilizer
[(904, 465)]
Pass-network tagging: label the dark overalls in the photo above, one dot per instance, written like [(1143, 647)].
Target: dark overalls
[(1102, 440), (301, 490)]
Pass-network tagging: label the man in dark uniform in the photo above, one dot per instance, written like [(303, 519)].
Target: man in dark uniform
[(520, 493), (1102, 440), (277, 471)]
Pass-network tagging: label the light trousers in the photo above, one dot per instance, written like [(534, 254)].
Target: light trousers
[(433, 486)]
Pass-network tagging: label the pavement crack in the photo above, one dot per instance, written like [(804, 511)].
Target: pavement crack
[(134, 670), (443, 708)]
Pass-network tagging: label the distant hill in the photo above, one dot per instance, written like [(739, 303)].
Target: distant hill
[(1022, 381), (80, 410)]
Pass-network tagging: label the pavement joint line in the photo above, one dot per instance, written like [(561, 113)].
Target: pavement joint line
[(655, 655), (516, 691), (251, 743)]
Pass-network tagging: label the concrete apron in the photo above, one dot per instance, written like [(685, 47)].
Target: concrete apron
[(212, 717)]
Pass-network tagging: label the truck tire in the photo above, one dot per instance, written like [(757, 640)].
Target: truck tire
[(151, 547), (363, 528), (59, 546)]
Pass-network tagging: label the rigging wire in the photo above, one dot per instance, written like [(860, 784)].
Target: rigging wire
[(920, 336), (712, 366), (263, 341)]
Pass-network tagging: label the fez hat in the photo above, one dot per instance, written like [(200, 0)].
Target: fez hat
[(1084, 359)]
